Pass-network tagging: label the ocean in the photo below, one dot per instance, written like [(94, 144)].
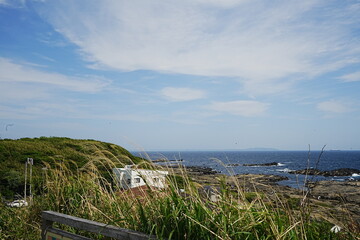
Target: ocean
[(223, 161)]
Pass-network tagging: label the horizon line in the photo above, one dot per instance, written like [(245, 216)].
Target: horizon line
[(240, 150)]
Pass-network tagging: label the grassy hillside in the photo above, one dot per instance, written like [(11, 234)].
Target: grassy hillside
[(50, 152)]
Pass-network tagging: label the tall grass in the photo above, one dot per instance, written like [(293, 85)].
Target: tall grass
[(167, 213), (52, 150)]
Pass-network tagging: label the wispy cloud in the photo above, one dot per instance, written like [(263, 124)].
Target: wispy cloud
[(64, 108), (333, 106), (28, 91), (352, 77), (242, 107), (256, 41), (14, 92), (182, 94), (13, 3), (12, 73), (34, 107)]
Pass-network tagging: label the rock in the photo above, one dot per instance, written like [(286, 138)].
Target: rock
[(344, 191), (233, 165), (341, 172), (260, 164), (166, 160), (343, 196), (201, 170), (274, 178), (264, 179), (331, 200), (310, 171), (335, 172)]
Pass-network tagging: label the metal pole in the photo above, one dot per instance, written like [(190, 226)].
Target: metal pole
[(30, 194), (25, 180)]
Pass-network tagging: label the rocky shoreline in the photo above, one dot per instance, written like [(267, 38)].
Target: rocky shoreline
[(253, 164), (331, 173), (196, 170), (310, 171), (261, 164), (331, 200)]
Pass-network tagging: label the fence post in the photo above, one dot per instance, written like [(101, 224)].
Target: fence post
[(45, 225)]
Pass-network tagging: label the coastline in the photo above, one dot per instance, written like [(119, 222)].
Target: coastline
[(330, 200), (282, 163)]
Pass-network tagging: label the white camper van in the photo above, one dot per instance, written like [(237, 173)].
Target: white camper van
[(130, 178)]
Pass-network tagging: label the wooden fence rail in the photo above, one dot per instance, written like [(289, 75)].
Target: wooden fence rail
[(49, 232)]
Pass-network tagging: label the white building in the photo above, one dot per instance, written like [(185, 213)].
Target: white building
[(129, 178)]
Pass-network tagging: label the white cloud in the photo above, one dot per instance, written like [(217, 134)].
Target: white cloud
[(10, 92), (352, 77), (256, 41), (27, 92), (242, 107), (333, 106), (182, 94), (219, 3), (13, 3), (12, 73), (254, 88), (63, 107)]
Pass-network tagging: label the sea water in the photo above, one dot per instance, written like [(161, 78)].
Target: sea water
[(231, 162)]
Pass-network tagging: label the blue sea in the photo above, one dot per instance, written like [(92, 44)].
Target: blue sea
[(287, 160)]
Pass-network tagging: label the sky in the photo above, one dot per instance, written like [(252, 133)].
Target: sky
[(183, 75)]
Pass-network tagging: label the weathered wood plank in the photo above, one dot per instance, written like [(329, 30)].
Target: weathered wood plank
[(95, 227), (66, 234)]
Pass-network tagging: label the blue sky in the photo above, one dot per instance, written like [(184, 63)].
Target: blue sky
[(199, 74)]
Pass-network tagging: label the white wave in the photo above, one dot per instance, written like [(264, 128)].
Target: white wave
[(338, 179), (284, 170), (355, 175), (281, 164)]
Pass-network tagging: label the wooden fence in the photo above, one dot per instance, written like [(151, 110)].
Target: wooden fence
[(50, 233)]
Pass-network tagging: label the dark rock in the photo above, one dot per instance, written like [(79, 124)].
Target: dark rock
[(335, 172), (260, 164), (341, 172), (233, 165), (166, 160), (274, 178), (201, 170), (310, 171), (263, 178), (176, 165)]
